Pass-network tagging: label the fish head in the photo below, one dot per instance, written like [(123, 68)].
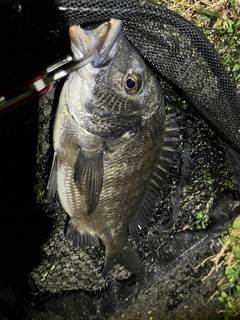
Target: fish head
[(117, 91)]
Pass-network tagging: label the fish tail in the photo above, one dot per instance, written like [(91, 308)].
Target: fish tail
[(125, 257)]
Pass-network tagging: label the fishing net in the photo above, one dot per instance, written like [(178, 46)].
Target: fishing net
[(42, 275)]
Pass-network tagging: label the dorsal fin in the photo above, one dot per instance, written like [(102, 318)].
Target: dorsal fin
[(159, 177)]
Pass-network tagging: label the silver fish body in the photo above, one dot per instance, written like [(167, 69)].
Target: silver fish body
[(109, 142)]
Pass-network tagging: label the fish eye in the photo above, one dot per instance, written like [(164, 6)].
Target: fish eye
[(132, 83)]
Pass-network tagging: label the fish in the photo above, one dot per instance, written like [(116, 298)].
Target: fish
[(113, 145)]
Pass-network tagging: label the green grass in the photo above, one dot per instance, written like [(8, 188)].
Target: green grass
[(228, 288), (205, 13)]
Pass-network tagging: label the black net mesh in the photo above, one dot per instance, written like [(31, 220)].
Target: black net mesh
[(42, 275)]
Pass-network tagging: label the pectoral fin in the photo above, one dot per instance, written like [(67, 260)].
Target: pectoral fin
[(88, 176), (52, 181)]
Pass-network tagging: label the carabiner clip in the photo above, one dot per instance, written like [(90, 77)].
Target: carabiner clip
[(40, 84)]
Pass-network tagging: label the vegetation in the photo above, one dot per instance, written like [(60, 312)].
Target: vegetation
[(228, 288), (206, 13), (220, 21)]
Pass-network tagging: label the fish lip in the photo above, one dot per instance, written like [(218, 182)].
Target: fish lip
[(102, 38)]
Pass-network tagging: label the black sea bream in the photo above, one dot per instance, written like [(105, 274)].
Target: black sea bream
[(113, 144)]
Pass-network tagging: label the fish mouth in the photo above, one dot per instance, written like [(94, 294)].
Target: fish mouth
[(103, 39)]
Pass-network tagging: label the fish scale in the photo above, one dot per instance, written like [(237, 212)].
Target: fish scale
[(108, 142)]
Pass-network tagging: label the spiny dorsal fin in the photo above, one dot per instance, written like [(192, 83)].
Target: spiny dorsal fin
[(169, 150), (171, 142), (159, 177), (88, 176)]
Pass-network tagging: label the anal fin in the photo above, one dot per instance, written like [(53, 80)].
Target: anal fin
[(80, 238), (144, 214), (88, 174), (126, 257)]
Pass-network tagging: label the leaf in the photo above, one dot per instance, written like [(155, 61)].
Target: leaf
[(231, 273), (238, 287), (236, 223), (223, 294), (229, 304), (235, 249), (230, 26), (207, 32), (199, 215), (237, 25), (233, 238), (203, 225), (236, 67), (209, 14), (231, 280), (237, 255)]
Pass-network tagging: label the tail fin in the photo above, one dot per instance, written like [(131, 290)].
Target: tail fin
[(125, 257)]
